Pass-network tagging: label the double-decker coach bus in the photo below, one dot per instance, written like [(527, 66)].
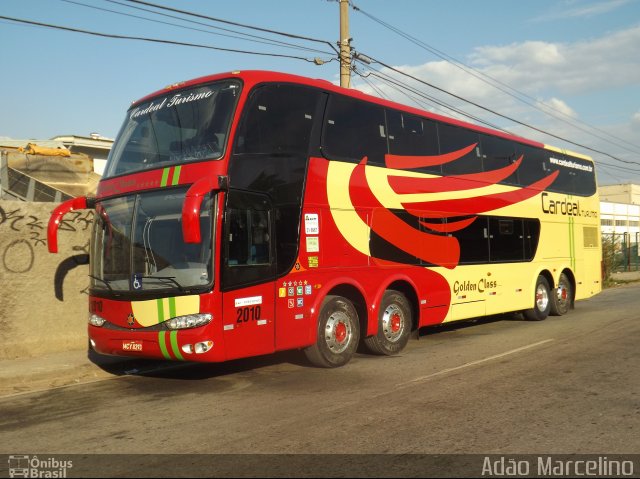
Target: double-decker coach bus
[(251, 212)]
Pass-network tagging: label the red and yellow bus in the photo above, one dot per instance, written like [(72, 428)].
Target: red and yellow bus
[(251, 212)]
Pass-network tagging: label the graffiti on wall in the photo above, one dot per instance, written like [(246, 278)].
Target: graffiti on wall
[(27, 233)]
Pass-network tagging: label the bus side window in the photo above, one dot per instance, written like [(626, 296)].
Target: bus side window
[(453, 138), (248, 237), (506, 240), (535, 164), (474, 242), (413, 136), (277, 119), (354, 129), (576, 175), (498, 153), (531, 233), (247, 245)]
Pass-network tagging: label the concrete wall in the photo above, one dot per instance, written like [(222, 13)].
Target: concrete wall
[(43, 296)]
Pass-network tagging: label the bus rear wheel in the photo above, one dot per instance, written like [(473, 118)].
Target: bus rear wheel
[(562, 297), (541, 302), (394, 325), (338, 333)]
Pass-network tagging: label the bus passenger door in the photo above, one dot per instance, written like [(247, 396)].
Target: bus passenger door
[(247, 275)]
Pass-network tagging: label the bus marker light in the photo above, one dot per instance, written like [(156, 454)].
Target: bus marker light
[(96, 320), (203, 347), (188, 348)]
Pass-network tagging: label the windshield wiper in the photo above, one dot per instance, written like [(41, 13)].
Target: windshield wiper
[(170, 279), (106, 282)]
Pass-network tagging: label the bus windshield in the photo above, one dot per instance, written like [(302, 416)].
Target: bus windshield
[(182, 126), (138, 245)]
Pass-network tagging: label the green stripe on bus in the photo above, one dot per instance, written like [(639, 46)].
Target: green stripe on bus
[(160, 306), (572, 242), (174, 345), (165, 176), (176, 175), (172, 307), (163, 344)]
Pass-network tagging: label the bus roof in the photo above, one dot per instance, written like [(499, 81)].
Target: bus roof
[(254, 77)]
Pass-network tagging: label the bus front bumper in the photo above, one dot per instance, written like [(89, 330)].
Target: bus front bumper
[(196, 344)]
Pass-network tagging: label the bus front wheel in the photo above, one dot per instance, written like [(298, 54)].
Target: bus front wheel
[(394, 325), (541, 301), (338, 333)]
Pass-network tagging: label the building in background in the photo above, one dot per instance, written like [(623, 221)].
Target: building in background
[(620, 223), (52, 170), (95, 146)]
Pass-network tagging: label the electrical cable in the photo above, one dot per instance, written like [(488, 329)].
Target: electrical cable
[(488, 79), (506, 117), (152, 40), (237, 24), (238, 35)]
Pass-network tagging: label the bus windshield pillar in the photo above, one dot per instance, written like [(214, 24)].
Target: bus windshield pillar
[(79, 203)]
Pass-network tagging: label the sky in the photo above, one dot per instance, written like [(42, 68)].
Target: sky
[(570, 68)]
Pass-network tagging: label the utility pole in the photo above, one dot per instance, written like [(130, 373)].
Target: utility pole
[(345, 45)]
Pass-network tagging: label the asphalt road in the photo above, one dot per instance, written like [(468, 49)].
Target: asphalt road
[(567, 385)]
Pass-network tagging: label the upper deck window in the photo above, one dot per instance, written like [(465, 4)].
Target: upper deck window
[(182, 126), (353, 130)]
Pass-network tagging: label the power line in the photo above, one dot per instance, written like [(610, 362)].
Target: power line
[(477, 105), (152, 40), (503, 87), (229, 22), (238, 35), (401, 87)]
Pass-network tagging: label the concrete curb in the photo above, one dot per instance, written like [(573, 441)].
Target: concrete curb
[(626, 276), (53, 370), (27, 375)]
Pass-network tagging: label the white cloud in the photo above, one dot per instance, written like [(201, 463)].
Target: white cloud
[(574, 9), (536, 68), (559, 106), (537, 52), (607, 61), (562, 76)]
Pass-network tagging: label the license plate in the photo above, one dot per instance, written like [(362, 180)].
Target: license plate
[(132, 345)]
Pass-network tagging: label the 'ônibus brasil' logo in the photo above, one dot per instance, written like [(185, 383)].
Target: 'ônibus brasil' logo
[(458, 199)]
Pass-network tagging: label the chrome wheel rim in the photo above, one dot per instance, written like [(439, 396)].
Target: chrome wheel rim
[(338, 332), (393, 323), (563, 294), (542, 298)]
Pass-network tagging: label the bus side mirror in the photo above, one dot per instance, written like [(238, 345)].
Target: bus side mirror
[(80, 203), (193, 201)]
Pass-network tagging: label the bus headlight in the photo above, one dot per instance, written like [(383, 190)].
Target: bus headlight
[(189, 321), (96, 320)]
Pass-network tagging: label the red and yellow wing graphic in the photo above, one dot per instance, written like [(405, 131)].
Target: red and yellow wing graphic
[(363, 200)]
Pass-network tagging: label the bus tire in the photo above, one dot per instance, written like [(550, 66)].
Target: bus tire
[(394, 325), (541, 301), (338, 333), (562, 297)]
